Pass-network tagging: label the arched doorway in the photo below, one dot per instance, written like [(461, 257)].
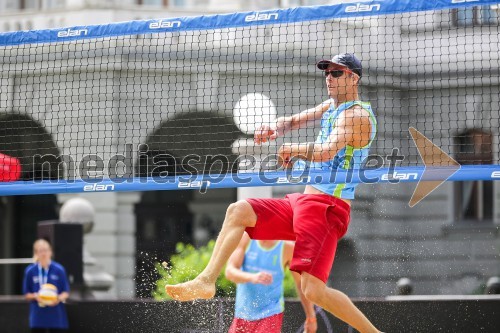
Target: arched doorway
[(162, 220), (23, 138), (165, 218)]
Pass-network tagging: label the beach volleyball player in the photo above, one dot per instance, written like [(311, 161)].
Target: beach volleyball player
[(317, 218)]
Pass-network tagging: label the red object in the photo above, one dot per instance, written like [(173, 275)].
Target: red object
[(10, 168), (314, 221), (271, 324)]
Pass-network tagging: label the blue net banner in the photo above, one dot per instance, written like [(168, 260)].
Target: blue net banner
[(278, 16), (195, 89), (205, 182)]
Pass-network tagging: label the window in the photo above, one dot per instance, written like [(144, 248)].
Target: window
[(9, 5), (152, 2), (474, 199), (464, 17), (30, 4), (474, 16), (179, 3), (54, 3)]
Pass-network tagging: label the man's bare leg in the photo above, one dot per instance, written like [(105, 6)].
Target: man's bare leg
[(239, 216), (335, 302)]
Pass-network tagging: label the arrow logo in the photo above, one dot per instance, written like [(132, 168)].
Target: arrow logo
[(439, 166)]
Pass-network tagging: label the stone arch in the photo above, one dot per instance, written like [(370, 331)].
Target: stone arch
[(23, 138), (164, 218), (199, 133)]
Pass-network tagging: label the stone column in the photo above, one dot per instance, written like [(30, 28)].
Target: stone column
[(125, 234), (112, 241)]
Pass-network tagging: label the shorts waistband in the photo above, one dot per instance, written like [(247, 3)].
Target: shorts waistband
[(341, 203), (332, 199)]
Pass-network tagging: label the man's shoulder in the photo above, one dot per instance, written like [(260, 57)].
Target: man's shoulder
[(358, 105), (358, 109)]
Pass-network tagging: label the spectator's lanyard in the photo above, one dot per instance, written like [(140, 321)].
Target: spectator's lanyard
[(43, 275)]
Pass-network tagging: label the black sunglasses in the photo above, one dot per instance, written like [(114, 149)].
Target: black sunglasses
[(335, 73)]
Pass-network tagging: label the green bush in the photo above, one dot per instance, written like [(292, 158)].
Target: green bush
[(289, 285), (185, 266), (188, 262)]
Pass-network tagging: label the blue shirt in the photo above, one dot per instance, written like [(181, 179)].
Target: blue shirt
[(49, 316), (257, 301), (346, 158)]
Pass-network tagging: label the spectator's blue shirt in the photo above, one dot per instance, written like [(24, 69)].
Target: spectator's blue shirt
[(49, 316)]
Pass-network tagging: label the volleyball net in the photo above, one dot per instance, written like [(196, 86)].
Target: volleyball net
[(173, 103)]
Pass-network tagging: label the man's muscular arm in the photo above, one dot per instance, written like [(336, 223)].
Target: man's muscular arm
[(352, 128)]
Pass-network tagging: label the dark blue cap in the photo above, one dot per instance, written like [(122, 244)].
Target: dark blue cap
[(348, 60)]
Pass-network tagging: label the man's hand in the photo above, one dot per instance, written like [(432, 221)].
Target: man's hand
[(285, 154), (268, 133), (262, 278), (290, 152), (311, 325)]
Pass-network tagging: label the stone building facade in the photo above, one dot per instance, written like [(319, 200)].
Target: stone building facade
[(94, 97)]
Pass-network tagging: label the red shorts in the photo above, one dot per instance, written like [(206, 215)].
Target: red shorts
[(270, 324), (314, 221)]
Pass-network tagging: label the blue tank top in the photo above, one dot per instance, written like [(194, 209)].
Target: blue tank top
[(258, 301), (347, 158)]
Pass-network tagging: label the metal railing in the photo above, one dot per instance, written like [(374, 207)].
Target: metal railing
[(16, 261)]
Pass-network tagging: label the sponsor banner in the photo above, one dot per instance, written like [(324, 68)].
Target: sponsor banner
[(207, 182), (207, 22)]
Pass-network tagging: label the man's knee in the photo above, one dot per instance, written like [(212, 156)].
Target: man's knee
[(312, 288), (241, 213)]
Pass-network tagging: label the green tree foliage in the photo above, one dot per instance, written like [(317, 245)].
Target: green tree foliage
[(189, 261)]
